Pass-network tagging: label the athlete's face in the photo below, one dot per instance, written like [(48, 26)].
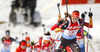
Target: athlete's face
[(7, 36), (46, 41), (74, 20), (28, 41), (23, 47)]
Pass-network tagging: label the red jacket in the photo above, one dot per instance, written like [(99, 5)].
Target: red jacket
[(40, 44), (19, 49), (7, 42)]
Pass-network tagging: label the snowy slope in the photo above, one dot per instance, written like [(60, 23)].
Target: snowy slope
[(49, 12)]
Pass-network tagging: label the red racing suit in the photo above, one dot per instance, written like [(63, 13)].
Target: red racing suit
[(45, 47)]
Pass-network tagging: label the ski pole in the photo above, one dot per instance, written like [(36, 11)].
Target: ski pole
[(50, 46), (43, 25), (83, 29), (57, 36), (22, 35), (66, 5), (41, 46), (91, 45), (59, 8), (83, 20), (88, 31), (53, 45), (59, 16), (66, 8), (82, 26)]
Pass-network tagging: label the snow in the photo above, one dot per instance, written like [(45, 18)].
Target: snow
[(48, 12)]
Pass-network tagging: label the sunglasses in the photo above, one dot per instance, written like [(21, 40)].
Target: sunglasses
[(75, 18)]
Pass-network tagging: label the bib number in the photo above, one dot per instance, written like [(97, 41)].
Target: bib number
[(72, 33)]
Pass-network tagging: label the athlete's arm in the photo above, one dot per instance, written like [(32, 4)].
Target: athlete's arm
[(65, 25), (90, 24), (3, 39), (57, 25)]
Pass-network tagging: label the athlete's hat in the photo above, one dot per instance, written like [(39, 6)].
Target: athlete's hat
[(7, 32), (47, 36), (75, 14), (27, 38), (23, 43)]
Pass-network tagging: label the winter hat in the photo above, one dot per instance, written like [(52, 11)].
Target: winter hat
[(27, 38), (75, 14), (23, 43), (7, 32), (47, 36)]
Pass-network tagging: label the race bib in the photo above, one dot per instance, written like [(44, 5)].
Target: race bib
[(70, 33)]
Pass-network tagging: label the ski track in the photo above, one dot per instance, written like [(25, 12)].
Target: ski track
[(49, 12)]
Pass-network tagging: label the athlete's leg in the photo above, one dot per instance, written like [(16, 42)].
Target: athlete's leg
[(81, 44), (63, 45), (74, 46)]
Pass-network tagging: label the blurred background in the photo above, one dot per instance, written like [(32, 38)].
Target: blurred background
[(20, 16)]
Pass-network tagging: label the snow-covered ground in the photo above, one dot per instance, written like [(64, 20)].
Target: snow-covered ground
[(48, 11)]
